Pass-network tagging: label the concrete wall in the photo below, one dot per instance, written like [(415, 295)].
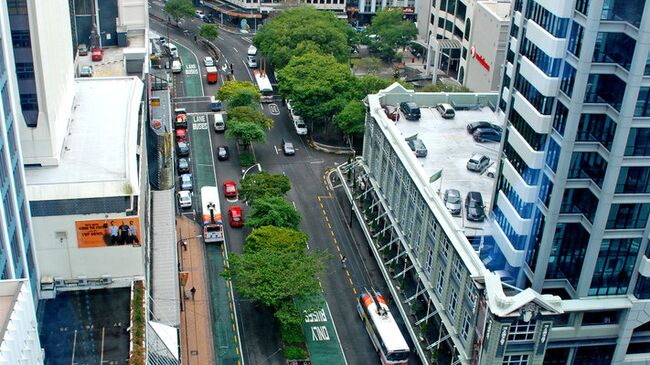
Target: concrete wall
[(133, 14)]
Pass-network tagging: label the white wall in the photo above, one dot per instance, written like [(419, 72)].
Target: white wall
[(133, 14), (59, 256), (53, 66), (20, 343)]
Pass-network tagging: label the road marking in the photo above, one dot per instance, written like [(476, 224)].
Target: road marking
[(220, 38), (235, 49), (273, 108), (276, 149)]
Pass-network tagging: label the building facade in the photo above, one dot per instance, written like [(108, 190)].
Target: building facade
[(572, 198)]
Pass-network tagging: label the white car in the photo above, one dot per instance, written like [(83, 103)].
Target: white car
[(199, 14), (185, 199), (208, 61)]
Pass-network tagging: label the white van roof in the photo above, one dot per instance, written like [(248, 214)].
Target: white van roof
[(252, 50)]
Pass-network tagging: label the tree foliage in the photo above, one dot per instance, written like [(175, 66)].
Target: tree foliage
[(318, 86), (372, 64), (437, 88), (351, 119), (273, 211), (392, 31), (247, 114), (260, 185), (235, 91), (245, 132), (302, 29), (209, 32), (368, 84), (273, 269), (179, 8)]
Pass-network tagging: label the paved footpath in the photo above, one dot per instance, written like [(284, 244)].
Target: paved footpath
[(196, 334)]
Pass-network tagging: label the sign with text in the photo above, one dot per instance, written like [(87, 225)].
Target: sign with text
[(108, 232), (474, 54)]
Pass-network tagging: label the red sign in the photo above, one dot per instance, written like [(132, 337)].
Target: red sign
[(479, 58)]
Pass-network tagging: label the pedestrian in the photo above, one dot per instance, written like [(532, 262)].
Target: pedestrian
[(193, 291), (184, 243), (344, 261)]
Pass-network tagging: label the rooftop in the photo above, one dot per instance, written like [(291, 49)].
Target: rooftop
[(99, 154), (113, 63)]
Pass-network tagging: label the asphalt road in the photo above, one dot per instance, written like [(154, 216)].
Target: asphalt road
[(327, 226)]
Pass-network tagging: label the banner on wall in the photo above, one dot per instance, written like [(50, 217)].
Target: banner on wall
[(108, 232)]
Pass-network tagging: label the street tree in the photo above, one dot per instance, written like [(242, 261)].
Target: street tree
[(247, 114), (352, 118), (238, 93), (368, 84), (318, 86), (300, 29), (273, 211), (209, 32), (260, 185), (391, 31), (269, 237), (372, 65), (179, 8), (245, 133)]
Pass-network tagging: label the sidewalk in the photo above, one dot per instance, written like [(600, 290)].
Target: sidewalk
[(196, 334)]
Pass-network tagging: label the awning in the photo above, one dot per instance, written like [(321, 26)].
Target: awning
[(237, 14), (448, 44)]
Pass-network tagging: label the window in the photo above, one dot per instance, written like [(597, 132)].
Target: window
[(523, 208), (582, 6), (560, 117), (638, 142), (605, 89), (24, 70), (623, 10), (427, 266), (444, 248), (633, 180), (458, 269), (575, 39), (534, 139), (545, 190), (467, 323), (441, 280), (553, 24), (515, 360), (453, 300), (548, 65), (628, 216), (589, 165), (17, 7), (600, 317), (543, 104), (20, 39), (529, 175), (615, 266), (567, 252), (581, 201), (596, 128), (522, 331), (614, 48), (642, 108), (568, 78)]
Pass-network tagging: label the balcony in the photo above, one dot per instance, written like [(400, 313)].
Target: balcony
[(540, 123)]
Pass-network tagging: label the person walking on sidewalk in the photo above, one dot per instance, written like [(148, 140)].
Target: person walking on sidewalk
[(193, 291)]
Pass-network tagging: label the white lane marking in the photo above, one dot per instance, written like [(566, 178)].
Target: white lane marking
[(235, 49)]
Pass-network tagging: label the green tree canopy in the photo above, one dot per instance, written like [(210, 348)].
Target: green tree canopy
[(209, 32), (299, 29), (260, 185), (351, 119), (369, 84), (269, 237), (392, 31), (273, 211), (247, 114), (318, 86), (179, 8), (275, 271), (238, 93), (245, 132)]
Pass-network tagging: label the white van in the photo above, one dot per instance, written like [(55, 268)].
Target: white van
[(252, 56), (171, 49), (219, 122), (177, 67)]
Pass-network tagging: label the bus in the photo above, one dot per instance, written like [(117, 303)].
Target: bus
[(211, 214), (382, 328), (264, 84)]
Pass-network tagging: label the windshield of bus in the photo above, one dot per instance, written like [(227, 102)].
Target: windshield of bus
[(398, 356)]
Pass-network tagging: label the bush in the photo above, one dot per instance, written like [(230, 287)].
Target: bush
[(247, 159), (291, 333), (294, 353)]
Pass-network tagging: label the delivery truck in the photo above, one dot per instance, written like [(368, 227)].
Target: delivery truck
[(211, 74)]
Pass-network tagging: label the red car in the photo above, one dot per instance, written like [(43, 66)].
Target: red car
[(98, 54), (392, 112), (181, 135), (230, 189), (235, 217)]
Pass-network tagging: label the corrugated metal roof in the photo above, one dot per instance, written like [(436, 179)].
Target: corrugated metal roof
[(448, 44)]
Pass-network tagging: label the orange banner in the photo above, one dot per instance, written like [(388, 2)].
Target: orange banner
[(108, 232)]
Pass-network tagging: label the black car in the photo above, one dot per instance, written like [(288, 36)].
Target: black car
[(471, 127), (183, 149), (222, 153), (487, 134), (410, 109), (474, 208), (183, 165)]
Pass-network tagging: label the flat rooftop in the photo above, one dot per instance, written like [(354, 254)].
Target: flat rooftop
[(100, 147), (113, 63), (449, 147), (86, 327)]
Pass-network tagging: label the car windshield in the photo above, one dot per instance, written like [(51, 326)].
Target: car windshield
[(453, 198)]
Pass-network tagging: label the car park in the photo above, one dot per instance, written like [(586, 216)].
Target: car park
[(478, 162), (183, 165), (208, 61), (392, 112), (446, 110), (471, 127), (186, 182), (181, 135), (222, 153), (82, 49), (230, 189), (97, 54), (235, 216), (452, 201), (418, 147), (183, 149), (486, 135), (287, 148), (86, 71), (185, 199), (474, 208), (410, 110)]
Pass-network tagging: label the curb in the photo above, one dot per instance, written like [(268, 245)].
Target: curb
[(329, 149)]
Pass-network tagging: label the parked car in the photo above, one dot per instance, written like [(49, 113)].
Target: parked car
[(183, 149), (446, 111), (97, 54), (186, 182), (487, 134), (179, 111), (418, 147), (222, 153), (185, 199), (492, 171), (392, 112), (230, 189), (478, 162), (287, 148), (199, 14), (181, 135), (183, 165), (235, 217), (86, 71), (471, 127), (82, 49), (453, 201), (474, 208), (181, 121), (208, 61), (410, 109)]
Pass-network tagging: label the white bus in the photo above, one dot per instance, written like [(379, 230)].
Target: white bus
[(383, 330), (264, 84), (211, 214)]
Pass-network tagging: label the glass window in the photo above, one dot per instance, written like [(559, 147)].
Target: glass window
[(646, 71), (538, 229), (638, 142), (517, 241), (560, 117), (441, 280), (603, 88), (567, 252), (642, 108), (614, 48), (568, 78), (534, 139), (575, 39), (523, 208), (581, 201), (21, 39), (548, 65), (527, 173), (522, 331), (543, 104), (588, 165), (461, 10), (468, 28), (594, 355), (17, 7), (467, 324), (623, 10), (453, 300), (633, 180), (614, 266), (458, 269), (600, 317), (515, 360), (596, 128), (545, 190), (628, 216), (553, 154), (582, 6), (553, 24)]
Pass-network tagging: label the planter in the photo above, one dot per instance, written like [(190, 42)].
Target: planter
[(138, 323)]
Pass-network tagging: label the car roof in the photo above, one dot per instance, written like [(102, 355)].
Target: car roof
[(486, 129), (184, 193), (474, 195), (452, 192)]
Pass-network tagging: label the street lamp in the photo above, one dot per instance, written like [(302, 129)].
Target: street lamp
[(244, 172)]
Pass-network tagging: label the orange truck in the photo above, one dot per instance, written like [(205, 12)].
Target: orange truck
[(212, 74)]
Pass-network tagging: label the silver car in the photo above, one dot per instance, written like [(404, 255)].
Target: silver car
[(453, 201), (418, 147), (186, 182), (478, 162)]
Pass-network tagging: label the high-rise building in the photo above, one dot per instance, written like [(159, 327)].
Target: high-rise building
[(572, 198)]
